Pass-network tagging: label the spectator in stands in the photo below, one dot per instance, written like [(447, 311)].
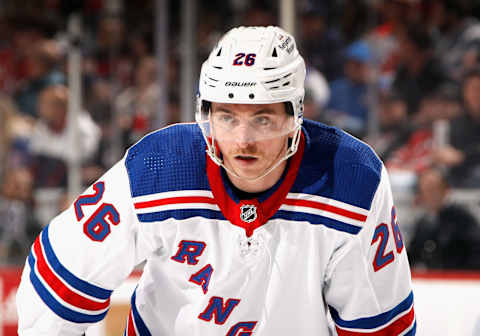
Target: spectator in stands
[(317, 94), (137, 105), (108, 56), (18, 226), (51, 151), (447, 236), (49, 141), (98, 102), (462, 155), (15, 130), (419, 73), (414, 151), (415, 148), (42, 64), (139, 44), (348, 105), (458, 36), (353, 21), (393, 17), (7, 56), (19, 33), (322, 42), (394, 125), (6, 115)]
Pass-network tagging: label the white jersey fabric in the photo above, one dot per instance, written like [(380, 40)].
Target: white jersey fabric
[(323, 242)]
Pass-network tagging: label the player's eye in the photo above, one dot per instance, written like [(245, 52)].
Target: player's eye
[(263, 121), (225, 119)]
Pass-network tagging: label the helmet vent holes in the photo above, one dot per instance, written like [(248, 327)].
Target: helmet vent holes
[(269, 68), (230, 95), (217, 67), (274, 53), (272, 81), (219, 52), (251, 96), (280, 82)]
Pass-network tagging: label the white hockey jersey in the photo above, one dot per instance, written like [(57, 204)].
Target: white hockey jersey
[(323, 242)]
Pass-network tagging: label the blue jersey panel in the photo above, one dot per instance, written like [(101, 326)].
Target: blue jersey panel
[(337, 165), (170, 159)]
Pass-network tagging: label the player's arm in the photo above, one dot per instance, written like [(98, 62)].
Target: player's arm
[(79, 258), (368, 283)]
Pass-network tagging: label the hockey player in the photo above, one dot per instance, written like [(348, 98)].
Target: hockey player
[(252, 221)]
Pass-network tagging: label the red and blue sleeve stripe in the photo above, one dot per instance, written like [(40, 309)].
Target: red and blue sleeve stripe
[(70, 297), (135, 324), (400, 320)]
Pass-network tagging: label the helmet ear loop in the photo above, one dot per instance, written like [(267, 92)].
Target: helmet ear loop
[(294, 141), (212, 148)]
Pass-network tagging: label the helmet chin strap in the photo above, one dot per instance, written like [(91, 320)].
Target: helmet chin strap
[(291, 150)]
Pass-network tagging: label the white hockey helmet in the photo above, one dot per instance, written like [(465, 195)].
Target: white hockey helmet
[(252, 65)]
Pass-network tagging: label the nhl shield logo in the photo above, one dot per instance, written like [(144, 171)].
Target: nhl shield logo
[(248, 213)]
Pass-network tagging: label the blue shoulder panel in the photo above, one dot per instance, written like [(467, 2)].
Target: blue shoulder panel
[(170, 159), (337, 165)]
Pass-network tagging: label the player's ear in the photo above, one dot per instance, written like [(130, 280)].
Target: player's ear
[(290, 112), (206, 106), (288, 108)]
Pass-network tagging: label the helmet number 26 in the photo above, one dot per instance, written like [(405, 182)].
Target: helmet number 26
[(244, 59)]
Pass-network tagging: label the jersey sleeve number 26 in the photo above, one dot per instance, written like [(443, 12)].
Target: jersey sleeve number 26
[(97, 226), (382, 233)]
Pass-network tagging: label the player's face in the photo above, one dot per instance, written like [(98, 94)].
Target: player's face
[(252, 138)]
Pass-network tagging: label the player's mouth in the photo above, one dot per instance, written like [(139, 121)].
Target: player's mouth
[(245, 160)]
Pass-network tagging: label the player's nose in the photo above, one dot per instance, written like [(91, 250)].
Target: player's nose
[(244, 135)]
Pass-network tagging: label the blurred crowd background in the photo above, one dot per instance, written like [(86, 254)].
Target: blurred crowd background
[(402, 75)]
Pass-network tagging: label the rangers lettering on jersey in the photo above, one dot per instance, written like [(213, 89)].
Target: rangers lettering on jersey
[(202, 277), (189, 251), (216, 308), (242, 329)]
